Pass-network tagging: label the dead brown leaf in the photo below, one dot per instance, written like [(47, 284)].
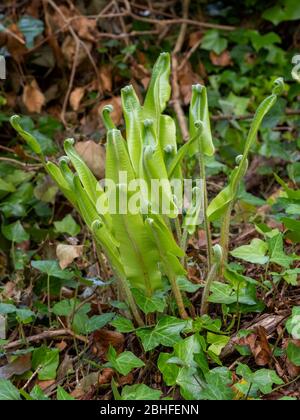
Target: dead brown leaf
[(259, 346), (140, 73), (19, 366), (194, 38), (45, 384), (94, 156), (33, 98), (16, 48), (186, 78), (221, 60), (104, 338), (66, 254), (69, 51), (105, 76), (75, 98), (85, 28), (126, 380), (105, 376), (65, 367)]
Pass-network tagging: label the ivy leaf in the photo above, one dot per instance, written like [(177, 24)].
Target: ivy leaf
[(124, 362), (263, 41), (122, 324), (222, 293), (293, 353), (187, 286), (67, 225), (30, 28), (7, 308), (212, 41), (25, 316), (139, 392), (217, 385), (166, 332), (149, 304), (265, 378), (62, 395), (52, 269), (47, 360), (276, 252), (283, 10), (217, 342), (255, 252), (8, 391), (15, 232), (38, 394), (262, 379), (293, 323), (64, 307), (97, 322), (180, 367)]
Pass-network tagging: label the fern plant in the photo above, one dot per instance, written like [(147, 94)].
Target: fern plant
[(141, 246)]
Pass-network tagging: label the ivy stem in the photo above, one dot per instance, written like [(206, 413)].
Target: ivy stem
[(205, 205)]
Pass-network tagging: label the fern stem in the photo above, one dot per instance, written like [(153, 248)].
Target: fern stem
[(178, 297), (224, 238), (205, 205), (210, 278)]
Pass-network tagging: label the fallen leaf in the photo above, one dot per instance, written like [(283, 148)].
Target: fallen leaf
[(61, 345), (105, 75), (186, 78), (65, 368), (221, 60), (45, 384), (75, 97), (103, 338), (105, 376), (94, 156), (194, 38), (259, 346), (85, 384), (17, 367), (66, 254), (126, 380), (16, 48), (85, 28), (33, 98), (139, 72), (69, 51)]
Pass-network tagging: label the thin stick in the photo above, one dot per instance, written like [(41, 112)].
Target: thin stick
[(27, 166), (175, 85), (50, 334), (71, 82), (205, 204)]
